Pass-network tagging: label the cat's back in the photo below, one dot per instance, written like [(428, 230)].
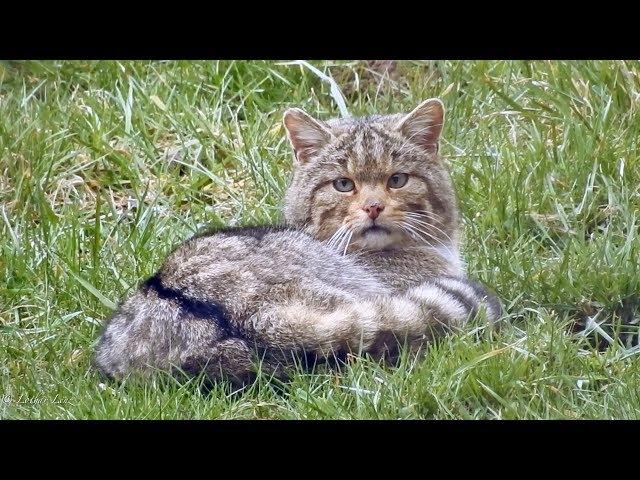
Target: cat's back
[(405, 268), (258, 263)]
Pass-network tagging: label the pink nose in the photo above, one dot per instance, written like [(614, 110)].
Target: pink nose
[(373, 209)]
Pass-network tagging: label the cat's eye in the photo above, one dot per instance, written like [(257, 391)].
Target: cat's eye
[(397, 180), (344, 185)]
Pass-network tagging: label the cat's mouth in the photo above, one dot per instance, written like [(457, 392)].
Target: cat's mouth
[(375, 230)]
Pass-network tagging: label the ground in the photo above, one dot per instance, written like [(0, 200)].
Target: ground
[(105, 166)]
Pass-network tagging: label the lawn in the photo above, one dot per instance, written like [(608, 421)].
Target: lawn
[(105, 166)]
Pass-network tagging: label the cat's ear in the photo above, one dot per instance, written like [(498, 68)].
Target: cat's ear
[(307, 135), (424, 124)]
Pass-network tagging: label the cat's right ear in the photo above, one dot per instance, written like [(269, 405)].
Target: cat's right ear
[(307, 135)]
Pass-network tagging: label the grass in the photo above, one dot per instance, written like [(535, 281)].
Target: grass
[(104, 166)]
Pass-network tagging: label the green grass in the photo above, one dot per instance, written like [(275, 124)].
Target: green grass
[(104, 166)]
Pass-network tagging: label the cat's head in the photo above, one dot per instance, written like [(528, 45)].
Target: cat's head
[(375, 183)]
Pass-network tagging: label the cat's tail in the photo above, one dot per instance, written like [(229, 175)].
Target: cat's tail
[(159, 330), (421, 313), (154, 332)]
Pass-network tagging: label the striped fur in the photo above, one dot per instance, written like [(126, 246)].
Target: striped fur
[(189, 315), (334, 280)]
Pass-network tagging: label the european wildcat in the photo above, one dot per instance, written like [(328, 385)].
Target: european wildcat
[(369, 253)]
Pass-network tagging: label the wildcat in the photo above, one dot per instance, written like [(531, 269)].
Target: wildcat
[(368, 255)]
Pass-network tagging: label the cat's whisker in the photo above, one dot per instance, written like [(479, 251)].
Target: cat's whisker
[(336, 245), (336, 235), (417, 235), (431, 237), (346, 238), (338, 239), (422, 226), (426, 215), (425, 220), (348, 241), (408, 228), (411, 233), (334, 238), (427, 212), (430, 225), (329, 243)]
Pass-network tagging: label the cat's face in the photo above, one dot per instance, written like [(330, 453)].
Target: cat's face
[(371, 183)]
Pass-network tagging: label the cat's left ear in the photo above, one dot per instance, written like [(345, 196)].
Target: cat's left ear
[(424, 124)]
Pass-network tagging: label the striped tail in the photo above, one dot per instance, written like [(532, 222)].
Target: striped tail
[(421, 313), (454, 300)]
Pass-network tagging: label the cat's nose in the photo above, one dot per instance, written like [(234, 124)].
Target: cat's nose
[(373, 209)]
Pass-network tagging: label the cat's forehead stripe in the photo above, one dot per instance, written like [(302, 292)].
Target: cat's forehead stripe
[(364, 147), (384, 135), (345, 141)]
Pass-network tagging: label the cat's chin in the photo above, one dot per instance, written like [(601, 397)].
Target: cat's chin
[(376, 238)]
